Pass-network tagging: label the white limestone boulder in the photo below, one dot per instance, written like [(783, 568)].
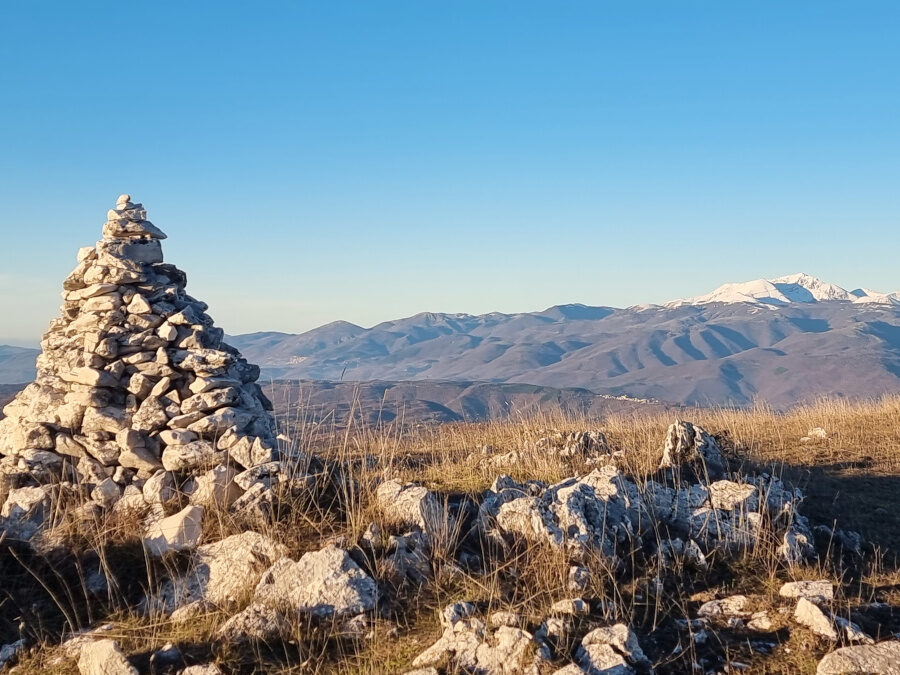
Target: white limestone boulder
[(323, 584), (104, 657), (178, 532), (410, 505), (880, 659), (815, 591)]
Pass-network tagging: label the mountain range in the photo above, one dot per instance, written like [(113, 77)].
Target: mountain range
[(780, 340)]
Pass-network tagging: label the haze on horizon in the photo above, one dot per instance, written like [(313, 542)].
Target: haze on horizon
[(366, 162)]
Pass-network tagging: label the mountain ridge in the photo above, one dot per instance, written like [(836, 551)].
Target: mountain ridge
[(792, 288), (782, 340)]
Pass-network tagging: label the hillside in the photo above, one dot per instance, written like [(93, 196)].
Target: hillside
[(430, 401), (17, 364), (783, 340), (695, 354)]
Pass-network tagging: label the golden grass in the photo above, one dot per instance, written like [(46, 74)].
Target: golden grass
[(851, 477)]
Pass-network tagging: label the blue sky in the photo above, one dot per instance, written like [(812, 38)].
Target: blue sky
[(364, 161)]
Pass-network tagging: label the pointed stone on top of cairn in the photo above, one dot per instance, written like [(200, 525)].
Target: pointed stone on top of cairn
[(133, 378)]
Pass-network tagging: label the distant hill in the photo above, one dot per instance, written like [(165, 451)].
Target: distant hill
[(776, 341), (439, 402), (17, 364), (782, 341)]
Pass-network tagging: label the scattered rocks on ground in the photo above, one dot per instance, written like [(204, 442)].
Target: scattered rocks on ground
[(467, 643), (821, 622), (325, 584), (220, 575), (139, 407), (605, 511)]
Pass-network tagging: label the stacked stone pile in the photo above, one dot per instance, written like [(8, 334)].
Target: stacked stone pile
[(134, 383)]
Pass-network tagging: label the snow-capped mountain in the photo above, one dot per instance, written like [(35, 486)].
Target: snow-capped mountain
[(778, 340), (787, 290)]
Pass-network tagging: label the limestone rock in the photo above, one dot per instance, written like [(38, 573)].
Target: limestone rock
[(323, 584), (732, 606), (408, 557), (256, 622), (103, 657), (178, 532), (503, 618), (249, 451), (570, 607), (410, 505), (469, 646), (822, 623), (686, 442), (194, 455), (611, 649), (456, 612), (880, 659), (159, 488), (814, 591), (216, 487), (760, 622), (204, 669), (268, 475), (603, 510), (222, 573), (25, 510)]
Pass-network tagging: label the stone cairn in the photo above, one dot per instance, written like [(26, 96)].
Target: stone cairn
[(135, 384)]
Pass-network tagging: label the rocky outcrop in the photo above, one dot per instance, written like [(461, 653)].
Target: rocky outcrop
[(133, 379), (689, 443), (504, 647), (604, 511)]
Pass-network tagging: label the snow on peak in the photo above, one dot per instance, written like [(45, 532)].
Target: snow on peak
[(863, 296), (787, 290), (806, 288)]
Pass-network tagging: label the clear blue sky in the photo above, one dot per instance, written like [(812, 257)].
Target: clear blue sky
[(314, 161)]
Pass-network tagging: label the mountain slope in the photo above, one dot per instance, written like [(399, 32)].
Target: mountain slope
[(781, 340), (692, 354), (800, 287), (17, 364)]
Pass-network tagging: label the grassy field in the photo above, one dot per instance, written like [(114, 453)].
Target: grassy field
[(850, 478)]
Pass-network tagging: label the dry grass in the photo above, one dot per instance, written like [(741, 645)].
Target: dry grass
[(851, 477)]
